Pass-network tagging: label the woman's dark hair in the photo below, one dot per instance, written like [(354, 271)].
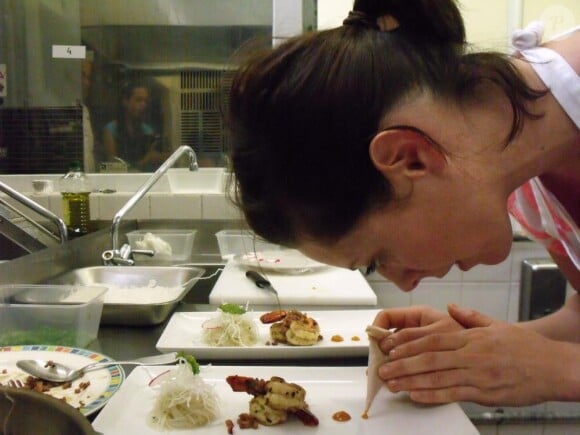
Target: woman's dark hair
[(301, 116)]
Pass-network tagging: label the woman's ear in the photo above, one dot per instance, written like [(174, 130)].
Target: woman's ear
[(404, 153)]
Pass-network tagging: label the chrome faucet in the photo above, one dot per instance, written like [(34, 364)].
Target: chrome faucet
[(123, 255), (33, 205)]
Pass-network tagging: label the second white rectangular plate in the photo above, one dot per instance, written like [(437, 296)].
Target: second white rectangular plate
[(328, 390), (184, 333)]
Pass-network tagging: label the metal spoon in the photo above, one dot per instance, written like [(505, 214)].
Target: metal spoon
[(56, 372)]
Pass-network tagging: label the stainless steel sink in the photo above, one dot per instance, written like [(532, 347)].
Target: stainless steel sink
[(135, 278)]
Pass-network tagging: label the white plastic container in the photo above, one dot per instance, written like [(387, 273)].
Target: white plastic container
[(181, 242), (204, 180), (234, 242), (50, 314)]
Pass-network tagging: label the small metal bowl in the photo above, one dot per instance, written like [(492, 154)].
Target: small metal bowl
[(29, 412)]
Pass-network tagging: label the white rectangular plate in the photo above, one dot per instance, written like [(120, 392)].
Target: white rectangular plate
[(184, 333), (328, 390)]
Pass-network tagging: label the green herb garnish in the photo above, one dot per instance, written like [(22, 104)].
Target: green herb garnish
[(190, 359), (232, 309), (63, 337)]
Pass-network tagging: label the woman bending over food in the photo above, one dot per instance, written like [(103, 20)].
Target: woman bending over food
[(387, 143)]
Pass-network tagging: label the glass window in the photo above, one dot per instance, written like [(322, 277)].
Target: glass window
[(129, 81)]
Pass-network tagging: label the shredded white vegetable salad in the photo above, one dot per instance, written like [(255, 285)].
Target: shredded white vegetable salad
[(232, 327), (185, 400)]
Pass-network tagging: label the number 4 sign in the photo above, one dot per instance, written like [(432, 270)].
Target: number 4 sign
[(69, 51)]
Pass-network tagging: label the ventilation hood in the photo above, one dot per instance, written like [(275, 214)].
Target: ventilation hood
[(173, 34), (176, 34), (176, 12)]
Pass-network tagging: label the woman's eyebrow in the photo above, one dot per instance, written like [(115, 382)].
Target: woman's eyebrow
[(354, 265), (371, 268), (368, 269)]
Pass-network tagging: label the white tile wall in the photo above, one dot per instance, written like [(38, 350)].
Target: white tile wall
[(562, 429), (175, 206), (55, 204), (453, 275), (530, 429), (532, 410), (437, 294), (489, 298), (110, 204), (563, 409), (487, 429), (513, 311), (154, 205), (484, 273), (40, 199), (218, 206), (520, 429)]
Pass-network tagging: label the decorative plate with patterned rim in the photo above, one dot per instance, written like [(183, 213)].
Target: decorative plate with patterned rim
[(103, 383)]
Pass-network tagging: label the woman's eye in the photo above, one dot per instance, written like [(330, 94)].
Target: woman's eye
[(371, 268)]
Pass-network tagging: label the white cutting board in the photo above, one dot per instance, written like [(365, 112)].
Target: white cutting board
[(324, 286)]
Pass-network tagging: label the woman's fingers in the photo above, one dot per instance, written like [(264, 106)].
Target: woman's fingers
[(435, 380), (411, 360), (418, 377), (468, 318), (407, 317), (451, 394), (413, 323), (429, 343), (409, 335)]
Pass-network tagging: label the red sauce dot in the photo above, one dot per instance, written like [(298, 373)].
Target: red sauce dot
[(341, 416)]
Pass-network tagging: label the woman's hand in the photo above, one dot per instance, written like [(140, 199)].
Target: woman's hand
[(414, 322), (468, 356)]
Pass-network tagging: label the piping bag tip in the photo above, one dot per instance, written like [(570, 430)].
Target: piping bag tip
[(376, 358)]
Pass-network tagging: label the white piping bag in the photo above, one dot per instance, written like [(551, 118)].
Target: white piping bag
[(376, 358)]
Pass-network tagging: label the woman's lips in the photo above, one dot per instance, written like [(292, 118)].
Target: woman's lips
[(439, 274), (464, 266)]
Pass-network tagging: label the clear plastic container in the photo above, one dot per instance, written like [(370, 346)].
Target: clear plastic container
[(50, 314), (75, 189), (234, 242), (181, 242)]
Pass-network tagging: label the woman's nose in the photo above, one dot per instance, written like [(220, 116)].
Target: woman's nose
[(404, 278)]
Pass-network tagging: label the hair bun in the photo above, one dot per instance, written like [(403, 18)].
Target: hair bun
[(438, 22), (359, 18)]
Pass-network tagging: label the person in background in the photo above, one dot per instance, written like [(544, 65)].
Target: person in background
[(387, 143), (129, 137)]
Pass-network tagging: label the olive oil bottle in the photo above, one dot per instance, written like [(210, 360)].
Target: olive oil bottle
[(75, 189)]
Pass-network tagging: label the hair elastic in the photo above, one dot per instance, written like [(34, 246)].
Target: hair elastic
[(384, 23), (359, 18)]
